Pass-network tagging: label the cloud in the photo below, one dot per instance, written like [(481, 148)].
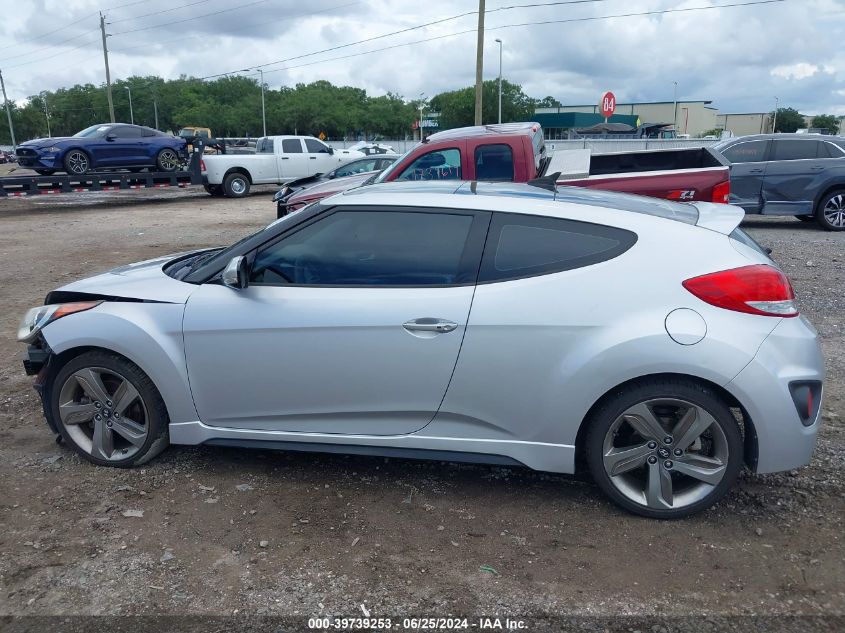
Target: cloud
[(739, 58)]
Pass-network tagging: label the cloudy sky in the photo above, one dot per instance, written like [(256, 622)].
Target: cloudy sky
[(740, 57)]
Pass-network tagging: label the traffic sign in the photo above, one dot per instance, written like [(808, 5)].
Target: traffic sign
[(607, 105)]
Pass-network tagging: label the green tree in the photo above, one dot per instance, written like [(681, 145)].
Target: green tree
[(457, 107), (826, 122), (788, 120), (549, 102)]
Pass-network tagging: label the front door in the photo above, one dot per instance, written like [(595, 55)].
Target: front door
[(320, 157), (293, 162), (748, 168), (352, 324), (791, 181)]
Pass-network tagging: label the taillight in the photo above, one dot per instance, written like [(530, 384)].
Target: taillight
[(722, 192), (758, 289), (202, 165)]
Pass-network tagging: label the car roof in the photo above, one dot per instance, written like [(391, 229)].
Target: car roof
[(782, 136), (500, 129), (499, 196)]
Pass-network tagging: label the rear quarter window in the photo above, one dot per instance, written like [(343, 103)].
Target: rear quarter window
[(521, 246)]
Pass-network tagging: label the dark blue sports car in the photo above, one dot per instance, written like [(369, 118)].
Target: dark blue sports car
[(105, 146)]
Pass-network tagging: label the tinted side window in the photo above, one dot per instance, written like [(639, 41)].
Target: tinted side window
[(830, 150), (493, 162), (128, 132), (443, 164), (315, 147), (264, 146), (369, 248), (525, 246), (357, 167), (291, 146), (795, 150), (748, 152)]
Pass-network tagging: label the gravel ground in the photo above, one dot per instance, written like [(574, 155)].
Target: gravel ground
[(215, 531)]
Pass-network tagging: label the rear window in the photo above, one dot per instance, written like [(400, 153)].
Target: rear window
[(494, 163), (291, 146), (795, 149), (526, 246), (745, 152)]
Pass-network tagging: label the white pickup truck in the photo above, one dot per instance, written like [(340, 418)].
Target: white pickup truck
[(277, 160)]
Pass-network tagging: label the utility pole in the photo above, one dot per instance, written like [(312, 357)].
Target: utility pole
[(263, 114), (46, 114), (422, 105), (775, 117), (155, 110), (131, 113), (106, 58), (500, 79), (479, 62), (8, 112)]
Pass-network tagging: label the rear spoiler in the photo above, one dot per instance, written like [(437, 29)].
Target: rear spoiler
[(722, 218)]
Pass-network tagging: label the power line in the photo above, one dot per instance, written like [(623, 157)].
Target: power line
[(44, 48), (145, 15), (508, 26), (191, 19), (63, 52), (240, 28)]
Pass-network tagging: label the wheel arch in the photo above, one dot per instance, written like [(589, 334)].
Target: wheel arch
[(747, 424), (828, 189), (238, 170)]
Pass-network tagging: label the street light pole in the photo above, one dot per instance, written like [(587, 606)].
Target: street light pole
[(422, 105), (675, 108), (775, 117), (155, 110), (263, 115), (479, 63), (131, 114), (46, 113), (500, 79)]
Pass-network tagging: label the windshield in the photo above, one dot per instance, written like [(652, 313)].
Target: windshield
[(94, 131), (383, 175)]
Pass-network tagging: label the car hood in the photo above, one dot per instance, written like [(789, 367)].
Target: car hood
[(45, 142), (143, 281), (329, 187)]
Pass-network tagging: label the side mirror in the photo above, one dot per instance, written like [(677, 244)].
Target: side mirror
[(111, 137), (331, 149), (235, 274)]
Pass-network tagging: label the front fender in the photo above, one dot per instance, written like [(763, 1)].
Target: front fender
[(148, 334)]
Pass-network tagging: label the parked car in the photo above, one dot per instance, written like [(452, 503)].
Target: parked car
[(277, 160), (370, 148), (486, 322), (517, 152), (369, 165), (789, 174), (104, 146)]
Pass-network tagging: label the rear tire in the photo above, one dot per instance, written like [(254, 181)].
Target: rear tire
[(236, 185), (45, 172), (830, 213), (214, 190), (664, 449), (108, 410)]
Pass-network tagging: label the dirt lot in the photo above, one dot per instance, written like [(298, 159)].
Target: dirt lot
[(227, 531)]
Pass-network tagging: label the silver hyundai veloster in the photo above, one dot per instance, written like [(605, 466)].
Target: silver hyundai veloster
[(651, 342)]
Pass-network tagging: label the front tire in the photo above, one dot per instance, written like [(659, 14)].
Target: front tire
[(236, 185), (664, 449), (806, 218), (167, 160), (45, 172), (830, 213), (77, 162), (108, 410)]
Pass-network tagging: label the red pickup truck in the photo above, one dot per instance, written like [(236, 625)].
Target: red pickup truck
[(516, 152)]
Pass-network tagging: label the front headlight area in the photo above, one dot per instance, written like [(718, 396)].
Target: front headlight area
[(36, 318)]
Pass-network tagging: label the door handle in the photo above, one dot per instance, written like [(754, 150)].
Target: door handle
[(313, 157), (285, 157), (816, 168), (428, 324), (755, 171)]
